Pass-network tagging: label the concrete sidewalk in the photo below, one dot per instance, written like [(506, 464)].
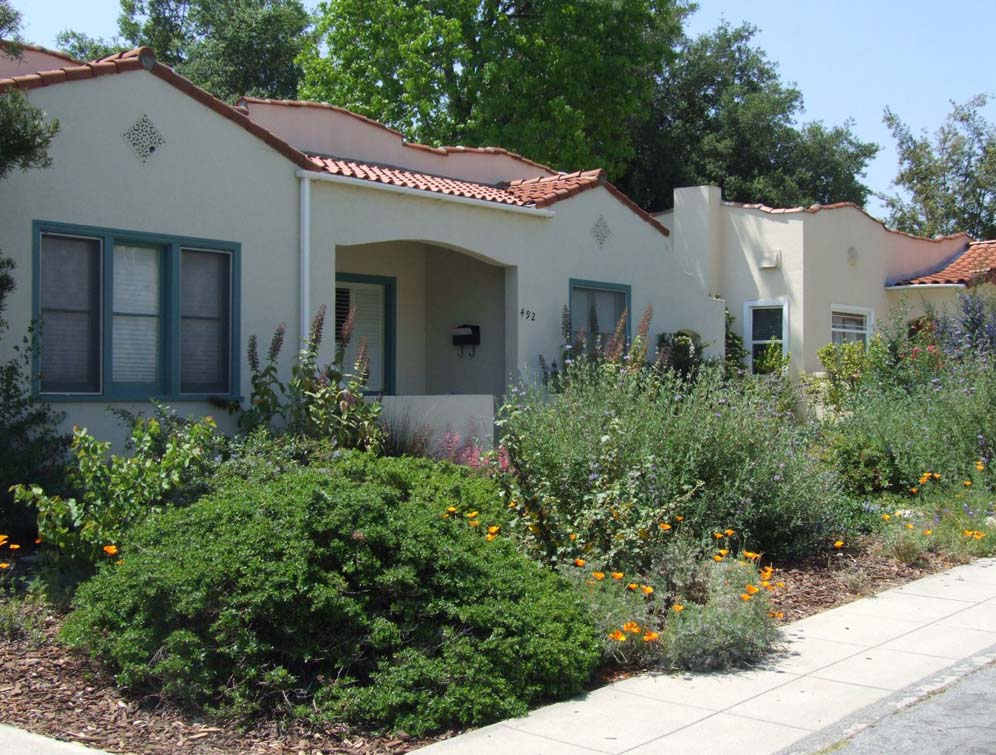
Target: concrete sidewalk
[(858, 662), (837, 663)]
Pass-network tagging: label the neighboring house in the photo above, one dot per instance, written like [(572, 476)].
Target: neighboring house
[(171, 226), (815, 275)]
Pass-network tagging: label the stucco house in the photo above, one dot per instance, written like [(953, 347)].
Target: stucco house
[(171, 226), (808, 276)]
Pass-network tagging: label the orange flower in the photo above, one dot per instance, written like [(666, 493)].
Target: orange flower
[(650, 637), (909, 526), (967, 483), (579, 562), (679, 519), (745, 597), (718, 535), (632, 586), (14, 547), (632, 627), (717, 558), (4, 565), (914, 491), (38, 541), (776, 614), (751, 556), (936, 476), (474, 523), (730, 533), (599, 575), (677, 608), (494, 529), (751, 589), (647, 590), (779, 584), (839, 544), (111, 550), (724, 551), (572, 536), (886, 517), (512, 504), (617, 635), (451, 509), (928, 532), (490, 536), (471, 514), (664, 526), (617, 575)]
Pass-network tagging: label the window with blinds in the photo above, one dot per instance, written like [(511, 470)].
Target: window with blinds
[(129, 319), (596, 311), (848, 327), (70, 275), (766, 327), (135, 322), (369, 301), (204, 330)]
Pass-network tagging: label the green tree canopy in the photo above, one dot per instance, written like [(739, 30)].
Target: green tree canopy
[(560, 82), (25, 135), (229, 47), (948, 182), (722, 115)]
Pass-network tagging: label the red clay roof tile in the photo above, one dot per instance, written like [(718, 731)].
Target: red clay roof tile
[(815, 208), (531, 192), (977, 263)]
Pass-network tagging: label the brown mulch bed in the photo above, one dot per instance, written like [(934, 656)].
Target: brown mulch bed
[(51, 690)]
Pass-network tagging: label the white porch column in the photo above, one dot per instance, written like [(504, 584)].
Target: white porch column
[(511, 325)]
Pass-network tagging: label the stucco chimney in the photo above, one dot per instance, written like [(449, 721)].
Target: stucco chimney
[(696, 233)]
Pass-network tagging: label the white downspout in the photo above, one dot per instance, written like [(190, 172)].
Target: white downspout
[(305, 254)]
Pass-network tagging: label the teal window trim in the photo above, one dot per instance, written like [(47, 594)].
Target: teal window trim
[(603, 286), (390, 325), (167, 388)]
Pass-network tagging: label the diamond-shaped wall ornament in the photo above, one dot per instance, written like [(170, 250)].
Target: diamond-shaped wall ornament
[(601, 231), (144, 138)]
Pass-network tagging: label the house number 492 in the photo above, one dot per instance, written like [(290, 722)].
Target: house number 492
[(527, 314)]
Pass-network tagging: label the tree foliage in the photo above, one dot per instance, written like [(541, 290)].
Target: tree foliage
[(229, 47), (25, 136), (722, 115), (559, 82), (82, 46), (948, 182)]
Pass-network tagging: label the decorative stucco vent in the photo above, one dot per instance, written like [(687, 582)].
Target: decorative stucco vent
[(144, 138), (601, 231)]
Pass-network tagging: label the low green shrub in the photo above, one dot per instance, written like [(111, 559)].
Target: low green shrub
[(361, 592), (166, 462), (600, 465)]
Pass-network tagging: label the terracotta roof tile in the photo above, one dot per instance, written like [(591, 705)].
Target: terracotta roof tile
[(814, 208), (531, 192), (976, 263)]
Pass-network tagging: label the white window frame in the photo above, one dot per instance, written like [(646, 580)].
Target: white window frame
[(849, 309), (748, 321)]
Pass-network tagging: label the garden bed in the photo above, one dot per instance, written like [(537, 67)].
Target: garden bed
[(51, 690)]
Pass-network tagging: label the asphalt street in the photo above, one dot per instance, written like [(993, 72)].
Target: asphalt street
[(958, 719)]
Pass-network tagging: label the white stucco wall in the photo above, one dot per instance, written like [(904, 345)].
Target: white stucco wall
[(463, 290), (210, 180), (545, 253), (837, 276), (813, 261), (324, 130)]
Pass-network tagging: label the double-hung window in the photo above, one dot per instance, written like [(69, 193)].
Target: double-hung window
[(850, 324), (130, 316), (596, 309), (765, 323)]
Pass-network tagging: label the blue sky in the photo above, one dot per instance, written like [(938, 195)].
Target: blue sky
[(850, 58)]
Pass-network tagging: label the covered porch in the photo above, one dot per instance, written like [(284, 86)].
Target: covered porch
[(420, 307)]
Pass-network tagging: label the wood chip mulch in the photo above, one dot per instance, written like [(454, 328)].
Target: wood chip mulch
[(51, 690)]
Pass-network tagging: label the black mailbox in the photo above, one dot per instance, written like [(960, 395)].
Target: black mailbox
[(467, 335)]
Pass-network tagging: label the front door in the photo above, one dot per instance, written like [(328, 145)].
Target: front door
[(373, 299)]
